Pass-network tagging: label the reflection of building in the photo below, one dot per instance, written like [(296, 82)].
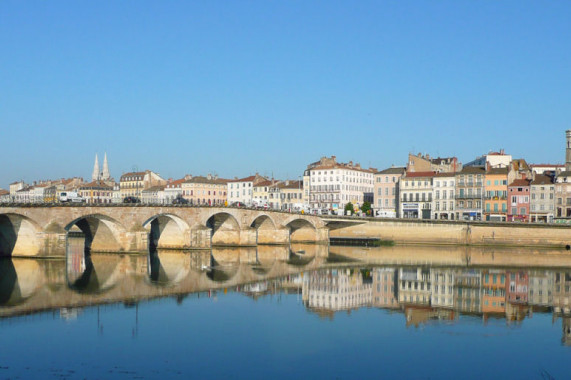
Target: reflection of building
[(467, 291), (414, 286), (540, 288), (493, 291), (562, 292), (517, 287), (416, 315), (75, 256), (334, 289), (442, 281), (385, 288)]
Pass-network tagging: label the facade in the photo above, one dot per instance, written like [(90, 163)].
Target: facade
[(517, 287), (542, 201), (205, 190), (563, 197), (493, 291), (468, 291), (132, 184), (562, 292), (173, 190), (443, 195), (261, 193), (291, 195), (5, 196), (469, 193), (96, 192), (154, 195), (420, 163), (519, 201), (496, 190), (547, 168), (386, 192), (241, 190), (14, 187), (332, 184), (416, 195), (540, 288)]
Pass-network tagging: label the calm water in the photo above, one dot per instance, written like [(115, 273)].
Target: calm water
[(281, 312)]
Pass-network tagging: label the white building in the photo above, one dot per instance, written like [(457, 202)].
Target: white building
[(241, 190), (332, 185), (416, 195), (442, 287), (443, 196)]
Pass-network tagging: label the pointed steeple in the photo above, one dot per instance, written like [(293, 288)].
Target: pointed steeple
[(105, 174), (95, 175)]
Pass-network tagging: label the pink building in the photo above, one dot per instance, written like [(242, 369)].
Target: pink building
[(518, 200), (517, 287)]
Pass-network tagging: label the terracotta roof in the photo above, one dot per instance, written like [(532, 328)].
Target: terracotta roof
[(247, 179), (419, 174), (542, 180), (175, 184), (292, 185), (393, 170), (4, 192), (266, 183), (132, 174), (202, 179), (96, 184), (154, 188), (520, 183), (445, 174)]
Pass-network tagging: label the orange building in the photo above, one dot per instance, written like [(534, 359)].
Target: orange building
[(496, 194), (493, 291)]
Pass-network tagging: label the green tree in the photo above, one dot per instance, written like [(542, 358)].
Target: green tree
[(349, 207), (366, 208)]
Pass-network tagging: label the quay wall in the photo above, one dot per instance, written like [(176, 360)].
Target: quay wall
[(403, 231)]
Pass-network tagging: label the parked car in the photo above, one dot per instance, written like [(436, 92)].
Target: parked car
[(131, 200), (238, 204), (179, 201)]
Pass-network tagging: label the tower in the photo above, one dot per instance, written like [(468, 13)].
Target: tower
[(568, 151), (105, 174), (95, 175)]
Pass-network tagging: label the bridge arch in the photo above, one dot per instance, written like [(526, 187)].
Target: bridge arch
[(167, 231), (224, 229), (301, 230), (102, 233), (18, 235), (266, 230)]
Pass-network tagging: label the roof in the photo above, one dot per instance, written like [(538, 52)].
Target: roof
[(132, 174), (471, 170), (445, 174), (174, 184), (419, 174), (96, 184), (212, 180), (4, 192), (266, 183), (443, 160), (497, 171), (547, 165), (154, 188), (393, 170), (565, 173), (520, 183), (542, 180), (247, 179), (291, 185)]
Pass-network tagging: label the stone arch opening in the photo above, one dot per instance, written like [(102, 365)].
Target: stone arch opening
[(18, 236), (100, 233), (302, 231), (224, 229), (94, 274), (265, 229), (166, 268), (167, 231)]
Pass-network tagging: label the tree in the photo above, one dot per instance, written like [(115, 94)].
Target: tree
[(366, 208), (349, 207)]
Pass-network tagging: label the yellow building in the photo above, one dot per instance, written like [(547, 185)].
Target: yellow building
[(96, 192), (132, 184), (209, 190), (496, 194)]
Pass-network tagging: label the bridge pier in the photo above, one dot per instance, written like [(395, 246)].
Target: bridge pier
[(278, 236)]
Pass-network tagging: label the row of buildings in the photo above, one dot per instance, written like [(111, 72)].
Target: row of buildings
[(494, 187)]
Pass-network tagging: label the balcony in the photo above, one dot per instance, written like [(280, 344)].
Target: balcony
[(469, 196), (495, 197)]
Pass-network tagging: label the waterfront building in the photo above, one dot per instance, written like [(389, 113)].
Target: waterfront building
[(173, 190), (496, 190), (241, 190), (492, 159), (290, 195), (469, 193), (333, 184), (442, 285), (540, 288), (154, 195), (420, 163), (385, 286), (416, 195), (493, 291), (205, 190), (261, 194), (468, 291), (14, 187), (414, 286), (563, 186), (5, 196), (96, 192), (443, 195), (542, 201), (132, 184), (386, 192), (519, 200)]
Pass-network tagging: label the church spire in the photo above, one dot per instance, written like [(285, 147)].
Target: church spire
[(105, 174), (95, 175)]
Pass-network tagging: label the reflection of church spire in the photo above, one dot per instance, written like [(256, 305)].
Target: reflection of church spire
[(95, 175), (105, 174)]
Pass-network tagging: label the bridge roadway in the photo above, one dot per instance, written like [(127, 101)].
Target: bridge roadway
[(42, 230)]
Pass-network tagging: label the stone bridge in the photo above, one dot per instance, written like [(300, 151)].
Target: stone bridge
[(43, 230)]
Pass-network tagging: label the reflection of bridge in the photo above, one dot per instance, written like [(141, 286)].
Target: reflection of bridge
[(42, 230)]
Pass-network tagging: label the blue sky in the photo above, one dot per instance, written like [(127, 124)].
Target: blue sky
[(235, 87)]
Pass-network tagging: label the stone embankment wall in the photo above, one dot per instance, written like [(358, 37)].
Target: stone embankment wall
[(463, 233)]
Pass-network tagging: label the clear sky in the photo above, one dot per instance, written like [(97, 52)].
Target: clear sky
[(235, 87)]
